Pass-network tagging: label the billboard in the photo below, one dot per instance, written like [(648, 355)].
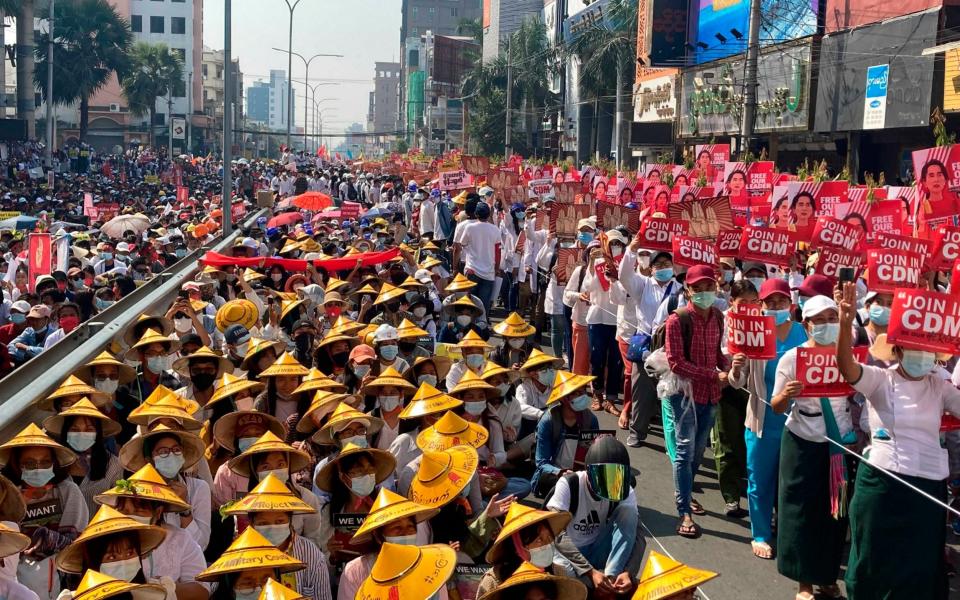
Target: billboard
[(951, 81), (846, 14), (655, 99), (716, 23)]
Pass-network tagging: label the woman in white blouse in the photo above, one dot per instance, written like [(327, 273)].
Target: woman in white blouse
[(897, 534)]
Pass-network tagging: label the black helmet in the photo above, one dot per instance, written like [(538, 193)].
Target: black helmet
[(608, 469)]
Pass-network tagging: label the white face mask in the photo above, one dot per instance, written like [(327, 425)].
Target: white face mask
[(431, 379), (183, 325), (419, 312), (463, 320), (275, 534), (475, 408), (389, 403), (503, 388), (361, 371), (403, 540), (363, 485), (81, 441), (281, 474), (516, 343), (141, 519), (124, 570), (541, 557), (244, 443)]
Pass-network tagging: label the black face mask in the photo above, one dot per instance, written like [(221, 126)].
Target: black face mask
[(407, 347), (203, 381), (392, 306), (304, 342), (340, 358)]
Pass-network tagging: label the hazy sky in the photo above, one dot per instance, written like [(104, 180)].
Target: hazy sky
[(363, 31)]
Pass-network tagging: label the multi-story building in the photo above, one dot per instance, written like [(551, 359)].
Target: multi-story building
[(382, 118), (212, 76), (267, 101), (447, 59), (501, 18)]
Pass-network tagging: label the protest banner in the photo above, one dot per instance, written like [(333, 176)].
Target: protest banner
[(475, 165), (183, 194), (751, 334), (455, 180), (711, 159), (818, 372), (903, 243), (754, 180), (9, 214), (707, 216), (890, 269), (691, 251), (834, 233), (658, 233), (540, 188), (566, 192), (350, 210), (728, 242), (925, 320), (611, 215), (766, 245), (563, 218), (946, 246), (39, 257), (936, 200), (567, 261), (955, 278), (831, 260)]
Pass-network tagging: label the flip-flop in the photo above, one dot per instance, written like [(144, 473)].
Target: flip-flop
[(697, 508), (754, 545), (691, 531)]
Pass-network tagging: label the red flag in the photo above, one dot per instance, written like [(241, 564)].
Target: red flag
[(39, 256)]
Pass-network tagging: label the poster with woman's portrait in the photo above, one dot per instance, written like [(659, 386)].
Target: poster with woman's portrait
[(937, 172), (795, 206), (625, 191), (710, 160)]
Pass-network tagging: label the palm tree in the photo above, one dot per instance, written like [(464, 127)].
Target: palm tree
[(154, 71), (533, 63), (91, 42)]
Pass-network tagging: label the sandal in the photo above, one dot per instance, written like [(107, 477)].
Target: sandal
[(611, 408), (762, 550), (830, 591), (596, 405), (691, 531), (697, 508)]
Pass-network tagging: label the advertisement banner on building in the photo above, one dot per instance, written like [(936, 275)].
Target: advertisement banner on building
[(718, 28), (655, 99), (712, 97), (179, 128), (875, 97)]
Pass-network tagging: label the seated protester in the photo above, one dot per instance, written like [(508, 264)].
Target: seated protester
[(234, 434), (84, 429), (324, 403), (385, 344), (450, 430), (423, 410), (232, 394), (458, 289), (392, 519), (473, 351), (71, 391), (385, 398), (664, 578), (422, 309), (270, 456), (154, 352), (260, 354), (410, 336), (350, 478), (113, 544), (517, 344), (476, 393), (558, 431), (605, 554), (200, 371), (30, 342), (531, 582), (12, 543), (359, 367), (527, 537), (432, 370), (146, 498), (37, 465), (426, 577), (464, 317), (345, 425), (537, 375), (107, 374), (171, 452), (277, 400), (271, 509), (244, 569), (333, 354), (507, 409), (390, 302)]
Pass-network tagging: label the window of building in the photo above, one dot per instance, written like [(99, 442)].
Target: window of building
[(433, 10), (454, 11), (178, 25), (416, 10), (156, 24), (203, 68), (136, 23)]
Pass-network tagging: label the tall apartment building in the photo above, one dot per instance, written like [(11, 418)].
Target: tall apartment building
[(211, 74), (267, 101), (502, 17)]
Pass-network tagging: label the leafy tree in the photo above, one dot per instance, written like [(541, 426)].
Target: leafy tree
[(91, 42), (154, 71)]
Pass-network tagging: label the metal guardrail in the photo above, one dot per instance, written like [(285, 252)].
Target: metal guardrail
[(38, 377)]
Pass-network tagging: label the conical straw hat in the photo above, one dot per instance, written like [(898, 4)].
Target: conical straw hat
[(286, 364), (443, 475), (520, 516), (71, 386), (387, 508), (85, 373), (514, 326), (32, 436), (538, 359), (389, 378), (145, 484), (664, 577), (250, 551), (270, 495), (108, 521), (527, 574), (460, 283), (452, 430), (408, 572), (566, 383), (131, 453), (83, 408), (383, 462), (274, 590), (229, 384), (343, 415), (428, 401), (269, 442), (97, 586)]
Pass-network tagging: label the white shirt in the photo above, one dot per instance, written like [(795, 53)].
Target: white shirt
[(591, 516), (531, 247), (532, 401), (647, 291), (480, 241), (179, 557), (428, 216), (806, 419), (553, 298), (603, 303), (12, 590), (571, 297), (198, 495), (908, 414)]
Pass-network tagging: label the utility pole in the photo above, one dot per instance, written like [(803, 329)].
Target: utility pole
[(618, 119), (506, 143), (226, 195), (170, 125), (292, 7), (750, 91), (48, 151), (189, 119)]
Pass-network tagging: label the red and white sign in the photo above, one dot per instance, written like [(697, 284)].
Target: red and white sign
[(891, 269), (831, 260), (766, 245), (39, 257), (925, 320), (818, 372), (728, 242), (751, 334), (540, 187), (834, 233), (946, 243), (183, 194), (903, 243), (350, 210), (611, 215), (694, 251), (455, 180), (658, 233)]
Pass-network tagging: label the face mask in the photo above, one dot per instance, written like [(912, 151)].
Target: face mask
[(18, 319), (276, 276), (516, 343), (503, 388), (475, 408), (107, 386), (247, 594), (475, 361), (37, 477), (124, 570), (102, 304), (141, 519), (704, 300), (389, 352), (106, 255), (363, 485), (389, 403), (244, 443), (333, 312), (616, 251), (361, 371), (180, 252), (546, 376), (275, 534), (779, 316), (879, 315), (584, 237), (580, 403), (756, 281), (663, 275), (727, 276), (203, 381), (169, 466), (81, 441), (826, 333), (403, 540), (541, 557), (431, 379), (240, 351), (304, 342), (340, 358), (157, 364), (917, 363), (463, 320), (357, 440), (420, 312), (183, 324)]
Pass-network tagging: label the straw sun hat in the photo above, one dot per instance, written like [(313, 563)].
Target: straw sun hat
[(408, 572), (97, 586), (30, 437), (520, 516), (443, 475), (268, 442), (427, 401), (286, 364), (566, 383), (342, 416), (131, 453), (145, 484), (383, 462), (528, 574), (71, 386), (225, 430), (106, 522), (664, 577), (274, 590), (514, 326), (270, 495), (250, 551), (85, 373), (387, 508), (452, 430), (83, 408), (237, 312), (229, 385)]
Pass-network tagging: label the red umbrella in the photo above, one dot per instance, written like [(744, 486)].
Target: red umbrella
[(328, 214), (284, 219), (312, 201)]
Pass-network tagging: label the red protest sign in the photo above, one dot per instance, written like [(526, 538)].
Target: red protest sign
[(831, 260), (834, 233), (611, 215), (658, 234), (752, 335), (767, 245), (903, 243), (925, 320), (817, 371), (694, 251), (728, 242), (350, 210), (455, 180), (39, 256), (475, 165), (955, 278), (891, 269), (540, 188), (183, 194), (946, 244), (564, 218), (567, 261)]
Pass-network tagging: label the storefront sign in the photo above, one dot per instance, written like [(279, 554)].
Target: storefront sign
[(875, 98), (655, 99)]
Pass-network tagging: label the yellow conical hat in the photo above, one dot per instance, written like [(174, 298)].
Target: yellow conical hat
[(664, 577), (270, 495), (388, 507), (250, 551)]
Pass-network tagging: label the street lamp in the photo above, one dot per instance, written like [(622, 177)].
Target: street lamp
[(313, 94), (306, 78)]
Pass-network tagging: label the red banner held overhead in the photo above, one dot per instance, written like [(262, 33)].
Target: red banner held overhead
[(366, 259), (728, 243), (834, 233), (925, 320), (39, 257), (946, 246), (765, 245), (690, 252), (658, 233), (831, 260), (751, 334), (891, 269), (611, 215), (350, 210), (818, 372), (903, 243)]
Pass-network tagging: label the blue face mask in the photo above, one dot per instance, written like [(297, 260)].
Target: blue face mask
[(779, 316), (389, 352), (879, 315), (704, 300), (584, 237), (826, 333), (18, 318), (37, 477), (103, 304), (180, 252), (756, 281), (580, 403), (917, 363), (106, 255), (663, 275)]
